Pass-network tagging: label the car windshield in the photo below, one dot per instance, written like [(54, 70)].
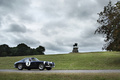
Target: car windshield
[(34, 59)]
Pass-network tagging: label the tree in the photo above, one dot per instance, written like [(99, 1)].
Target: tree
[(14, 51), (23, 49), (109, 20), (40, 50), (4, 50), (20, 50)]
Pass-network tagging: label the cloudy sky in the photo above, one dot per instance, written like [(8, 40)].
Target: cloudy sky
[(54, 24)]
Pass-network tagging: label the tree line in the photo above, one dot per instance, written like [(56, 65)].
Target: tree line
[(20, 50)]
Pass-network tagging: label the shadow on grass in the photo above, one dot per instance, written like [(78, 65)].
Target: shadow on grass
[(115, 62)]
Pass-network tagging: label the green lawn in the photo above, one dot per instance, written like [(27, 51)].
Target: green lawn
[(59, 76), (77, 61)]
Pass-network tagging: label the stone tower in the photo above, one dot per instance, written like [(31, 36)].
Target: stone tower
[(75, 48)]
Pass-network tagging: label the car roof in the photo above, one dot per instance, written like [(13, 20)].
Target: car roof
[(28, 58)]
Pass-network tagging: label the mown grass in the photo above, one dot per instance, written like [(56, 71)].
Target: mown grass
[(72, 61), (59, 76)]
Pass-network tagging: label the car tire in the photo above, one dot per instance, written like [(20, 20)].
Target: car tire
[(20, 67), (41, 67), (48, 68), (29, 69)]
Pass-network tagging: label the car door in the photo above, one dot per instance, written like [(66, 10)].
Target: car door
[(27, 62), (33, 64)]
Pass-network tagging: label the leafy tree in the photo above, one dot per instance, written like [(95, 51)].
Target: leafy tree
[(23, 49), (109, 20), (33, 52), (4, 50), (40, 50)]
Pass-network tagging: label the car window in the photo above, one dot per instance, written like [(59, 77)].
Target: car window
[(28, 59), (34, 59)]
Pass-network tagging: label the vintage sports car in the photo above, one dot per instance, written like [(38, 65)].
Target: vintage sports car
[(33, 63)]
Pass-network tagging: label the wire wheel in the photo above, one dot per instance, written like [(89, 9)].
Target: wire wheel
[(41, 67), (20, 67)]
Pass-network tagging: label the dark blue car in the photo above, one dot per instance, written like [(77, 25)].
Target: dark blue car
[(33, 63)]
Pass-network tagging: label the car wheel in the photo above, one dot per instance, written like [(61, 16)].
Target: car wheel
[(20, 67), (48, 68), (41, 67)]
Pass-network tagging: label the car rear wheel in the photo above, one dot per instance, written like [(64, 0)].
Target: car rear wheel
[(41, 67), (20, 67), (48, 68)]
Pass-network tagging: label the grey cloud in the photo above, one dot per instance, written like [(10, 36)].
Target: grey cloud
[(48, 32), (52, 8), (85, 9), (13, 5), (103, 3), (0, 24), (16, 8), (81, 9), (55, 47), (91, 41), (13, 39), (26, 39), (53, 28), (17, 28)]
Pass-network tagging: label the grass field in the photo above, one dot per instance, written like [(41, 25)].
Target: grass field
[(72, 61), (59, 76)]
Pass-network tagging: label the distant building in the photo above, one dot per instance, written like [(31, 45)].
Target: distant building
[(75, 48)]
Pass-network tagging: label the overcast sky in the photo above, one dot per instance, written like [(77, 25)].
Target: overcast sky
[(54, 24)]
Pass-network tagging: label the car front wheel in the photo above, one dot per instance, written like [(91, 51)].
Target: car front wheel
[(20, 67), (41, 67)]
